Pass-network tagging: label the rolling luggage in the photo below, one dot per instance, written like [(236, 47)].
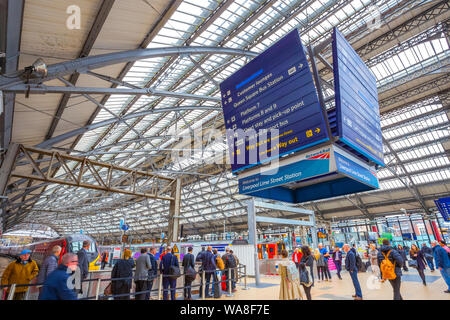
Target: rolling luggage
[(217, 290)]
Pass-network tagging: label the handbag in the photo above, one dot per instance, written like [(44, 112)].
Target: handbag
[(190, 274), (108, 290), (174, 271), (428, 256), (412, 264), (304, 277)]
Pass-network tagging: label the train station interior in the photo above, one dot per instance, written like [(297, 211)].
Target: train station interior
[(306, 133)]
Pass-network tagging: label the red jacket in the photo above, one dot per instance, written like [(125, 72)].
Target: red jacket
[(299, 256)]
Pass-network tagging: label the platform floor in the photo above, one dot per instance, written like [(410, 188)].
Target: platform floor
[(411, 288)]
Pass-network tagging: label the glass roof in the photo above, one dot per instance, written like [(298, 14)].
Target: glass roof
[(415, 132)]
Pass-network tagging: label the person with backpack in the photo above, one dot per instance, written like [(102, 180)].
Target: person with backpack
[(442, 260), (390, 263), (427, 252), (169, 263), (350, 266), (416, 255), (189, 273), (306, 280), (230, 263), (290, 279)]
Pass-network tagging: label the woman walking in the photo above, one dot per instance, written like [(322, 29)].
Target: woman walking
[(122, 269), (417, 255), (305, 280), (290, 284)]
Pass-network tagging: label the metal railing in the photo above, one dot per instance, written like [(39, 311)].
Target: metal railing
[(94, 288)]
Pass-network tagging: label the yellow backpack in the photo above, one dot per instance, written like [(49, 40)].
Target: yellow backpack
[(387, 268), (219, 263)]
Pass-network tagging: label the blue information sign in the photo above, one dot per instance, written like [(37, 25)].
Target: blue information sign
[(443, 205), (273, 91), (356, 96)]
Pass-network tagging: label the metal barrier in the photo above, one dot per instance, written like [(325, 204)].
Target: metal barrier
[(93, 288)]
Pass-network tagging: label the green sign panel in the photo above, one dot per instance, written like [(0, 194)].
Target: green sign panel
[(387, 236)]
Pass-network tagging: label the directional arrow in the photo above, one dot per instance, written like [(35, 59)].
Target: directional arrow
[(317, 130)]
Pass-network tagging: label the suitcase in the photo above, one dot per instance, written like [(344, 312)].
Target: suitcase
[(217, 290), (224, 283)]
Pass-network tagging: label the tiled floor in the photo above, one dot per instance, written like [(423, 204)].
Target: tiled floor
[(411, 288)]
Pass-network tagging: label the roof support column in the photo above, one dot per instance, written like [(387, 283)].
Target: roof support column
[(174, 212)]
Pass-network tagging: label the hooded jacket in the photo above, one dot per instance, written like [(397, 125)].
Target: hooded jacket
[(55, 287), (394, 257), (441, 257), (19, 273)]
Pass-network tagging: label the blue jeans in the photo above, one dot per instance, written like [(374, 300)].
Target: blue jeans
[(208, 276), (354, 276), (430, 263), (173, 284), (446, 275)]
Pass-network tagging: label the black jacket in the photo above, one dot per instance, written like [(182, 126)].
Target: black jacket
[(83, 263), (350, 261), (188, 261), (122, 269), (307, 261), (394, 257), (153, 272)]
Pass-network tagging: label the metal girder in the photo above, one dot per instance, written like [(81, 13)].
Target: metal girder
[(11, 18), (50, 142), (82, 65), (97, 25), (410, 76), (42, 89), (412, 186), (400, 31), (135, 182), (405, 28), (7, 166)]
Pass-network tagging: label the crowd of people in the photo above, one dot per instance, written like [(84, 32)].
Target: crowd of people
[(56, 285), (215, 268), (385, 262)]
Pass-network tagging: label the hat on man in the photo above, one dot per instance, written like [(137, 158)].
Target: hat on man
[(24, 252)]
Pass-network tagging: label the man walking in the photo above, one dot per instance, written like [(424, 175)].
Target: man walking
[(152, 273), (427, 252), (188, 266), (350, 266), (56, 285), (442, 263), (167, 261), (389, 256), (143, 265), (21, 271), (49, 265)]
